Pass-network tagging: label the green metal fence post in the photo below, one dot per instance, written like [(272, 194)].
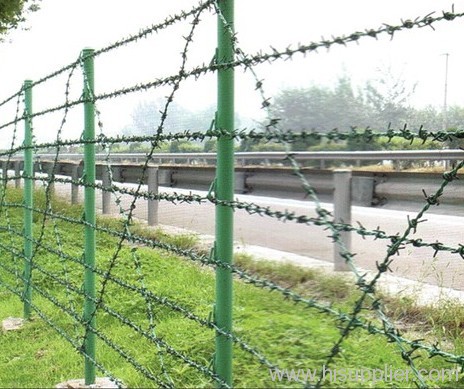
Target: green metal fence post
[(90, 217), (224, 191), (28, 198)]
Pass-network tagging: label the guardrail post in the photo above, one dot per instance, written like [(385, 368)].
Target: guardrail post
[(164, 177), (342, 214), (28, 194), (152, 190), (90, 217), (117, 173), (240, 182), (5, 173), (224, 190), (362, 191), (74, 185), (17, 170), (106, 189), (51, 183), (35, 168)]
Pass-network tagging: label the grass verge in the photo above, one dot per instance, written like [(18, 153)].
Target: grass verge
[(152, 322)]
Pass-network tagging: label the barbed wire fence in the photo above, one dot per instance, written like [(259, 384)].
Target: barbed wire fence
[(40, 258)]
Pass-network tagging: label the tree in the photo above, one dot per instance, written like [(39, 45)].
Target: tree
[(455, 120), (12, 13), (210, 146), (388, 96), (349, 109), (428, 117), (184, 147), (146, 118), (321, 109), (432, 119), (455, 117)]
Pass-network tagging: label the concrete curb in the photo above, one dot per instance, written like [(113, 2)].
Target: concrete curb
[(423, 293)]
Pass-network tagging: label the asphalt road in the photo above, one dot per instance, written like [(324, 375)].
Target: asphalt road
[(443, 269)]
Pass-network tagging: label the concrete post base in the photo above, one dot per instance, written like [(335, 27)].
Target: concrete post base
[(102, 382), (12, 324)]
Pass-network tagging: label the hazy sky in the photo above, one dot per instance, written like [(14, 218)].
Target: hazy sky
[(63, 27)]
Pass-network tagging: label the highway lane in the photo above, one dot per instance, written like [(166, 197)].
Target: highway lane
[(444, 269)]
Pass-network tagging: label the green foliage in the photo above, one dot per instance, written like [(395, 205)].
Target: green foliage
[(139, 147), (319, 108), (310, 282), (455, 143), (210, 146), (268, 146), (147, 117), (12, 13), (303, 145), (183, 241), (361, 145), (403, 144), (454, 117), (184, 147), (245, 145), (388, 96), (380, 103), (329, 146)]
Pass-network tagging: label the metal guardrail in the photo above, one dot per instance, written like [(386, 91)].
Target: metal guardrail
[(279, 156), (277, 181)]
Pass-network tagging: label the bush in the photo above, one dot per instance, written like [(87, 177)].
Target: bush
[(210, 146), (269, 146), (184, 147)]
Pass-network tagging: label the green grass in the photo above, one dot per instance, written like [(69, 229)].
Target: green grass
[(289, 335)]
